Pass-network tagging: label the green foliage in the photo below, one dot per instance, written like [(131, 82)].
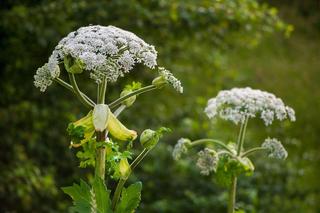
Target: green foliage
[(130, 198), (193, 39), (76, 133), (87, 154), (228, 168), (87, 199)]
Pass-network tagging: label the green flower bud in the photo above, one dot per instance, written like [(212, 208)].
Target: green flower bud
[(100, 117), (159, 82), (124, 168), (149, 138), (129, 101), (72, 65)]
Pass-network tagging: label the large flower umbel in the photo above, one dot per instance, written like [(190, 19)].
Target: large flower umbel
[(107, 52), (238, 103)]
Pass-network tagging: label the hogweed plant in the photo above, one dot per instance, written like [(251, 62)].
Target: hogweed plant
[(229, 160), (105, 54)]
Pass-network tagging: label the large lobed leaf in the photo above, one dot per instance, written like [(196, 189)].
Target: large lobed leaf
[(130, 198), (87, 199)]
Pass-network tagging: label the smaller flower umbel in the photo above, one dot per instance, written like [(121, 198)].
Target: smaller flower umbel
[(228, 161)]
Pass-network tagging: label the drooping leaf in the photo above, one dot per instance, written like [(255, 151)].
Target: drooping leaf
[(130, 198)]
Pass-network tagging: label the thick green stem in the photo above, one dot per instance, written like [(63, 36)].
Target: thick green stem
[(253, 150), (78, 92), (216, 142), (121, 182), (233, 187), (135, 92), (100, 166), (232, 195), (101, 137), (70, 88)]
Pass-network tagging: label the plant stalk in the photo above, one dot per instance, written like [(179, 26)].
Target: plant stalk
[(121, 182), (135, 92), (70, 88), (100, 166), (214, 141), (232, 195), (78, 92), (233, 187)]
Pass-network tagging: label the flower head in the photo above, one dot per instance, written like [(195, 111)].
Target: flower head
[(275, 148), (180, 148), (166, 77), (238, 103), (104, 51), (207, 161)]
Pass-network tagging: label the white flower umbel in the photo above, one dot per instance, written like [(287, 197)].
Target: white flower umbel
[(180, 148), (275, 148), (238, 103), (169, 77), (104, 51), (207, 161)]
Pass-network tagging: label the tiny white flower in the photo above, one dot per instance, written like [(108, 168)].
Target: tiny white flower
[(275, 148), (171, 79), (180, 148), (238, 103), (105, 52), (207, 161)]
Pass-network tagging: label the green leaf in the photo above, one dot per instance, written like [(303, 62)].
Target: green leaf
[(86, 199), (103, 203), (130, 198), (229, 167)]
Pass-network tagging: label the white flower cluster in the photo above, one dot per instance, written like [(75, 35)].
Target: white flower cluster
[(105, 51), (45, 75), (275, 148), (180, 148), (238, 103), (207, 161), (169, 77)]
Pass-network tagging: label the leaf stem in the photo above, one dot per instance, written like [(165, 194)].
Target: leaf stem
[(78, 92), (135, 92)]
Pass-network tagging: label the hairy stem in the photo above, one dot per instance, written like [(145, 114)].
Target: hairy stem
[(214, 141), (70, 88), (135, 92), (121, 182), (241, 136), (78, 92)]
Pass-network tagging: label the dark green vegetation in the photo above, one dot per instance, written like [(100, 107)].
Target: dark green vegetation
[(208, 52)]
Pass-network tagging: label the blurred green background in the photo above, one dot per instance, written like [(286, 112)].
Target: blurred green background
[(209, 45)]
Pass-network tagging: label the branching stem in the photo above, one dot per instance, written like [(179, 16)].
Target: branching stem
[(121, 182), (214, 141), (78, 92), (135, 92), (70, 88)]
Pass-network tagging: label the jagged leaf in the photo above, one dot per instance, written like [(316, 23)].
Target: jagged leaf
[(87, 199), (130, 198)]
